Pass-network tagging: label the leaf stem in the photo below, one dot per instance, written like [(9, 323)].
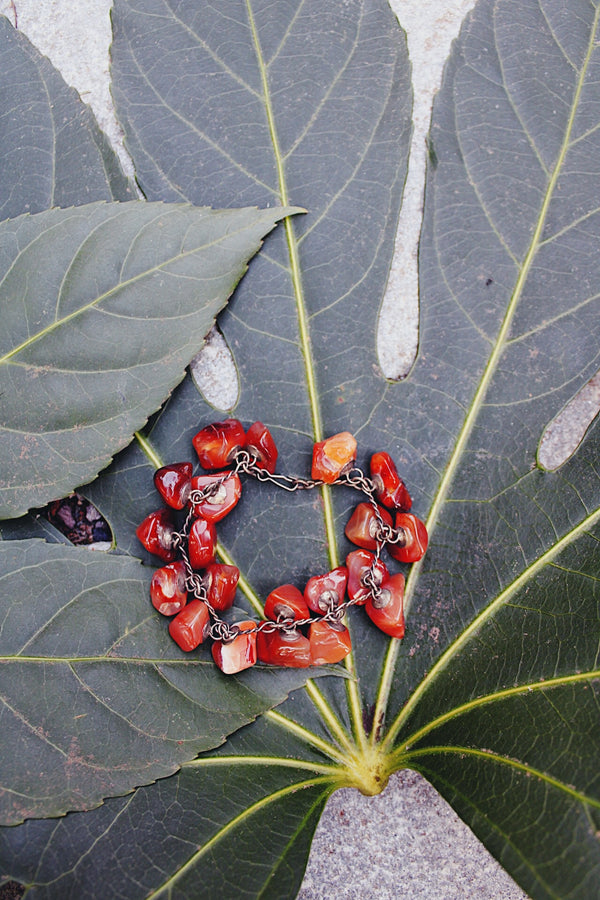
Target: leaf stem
[(202, 762), (149, 450), (243, 583), (328, 717), (307, 736)]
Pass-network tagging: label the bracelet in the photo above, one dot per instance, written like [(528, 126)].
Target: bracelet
[(300, 628)]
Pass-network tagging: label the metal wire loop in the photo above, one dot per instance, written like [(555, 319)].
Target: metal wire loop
[(356, 478), (222, 631)]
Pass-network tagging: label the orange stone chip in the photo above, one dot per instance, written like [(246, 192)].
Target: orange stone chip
[(329, 642), (333, 457), (387, 609), (240, 653), (284, 648)]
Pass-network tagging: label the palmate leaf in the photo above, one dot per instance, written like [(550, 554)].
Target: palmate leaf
[(493, 694), (88, 793), (102, 307)]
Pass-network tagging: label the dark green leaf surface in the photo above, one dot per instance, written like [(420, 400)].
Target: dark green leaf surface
[(502, 655), (95, 699), (247, 837), (321, 126), (248, 104), (52, 152), (493, 694), (102, 307)]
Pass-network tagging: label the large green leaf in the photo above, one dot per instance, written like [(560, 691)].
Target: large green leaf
[(493, 694), (102, 307), (307, 309), (52, 152), (83, 657)]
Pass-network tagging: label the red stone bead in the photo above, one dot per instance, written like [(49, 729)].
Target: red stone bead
[(189, 627), (323, 591), (168, 591), (387, 610), (222, 502), (202, 543), (286, 601), (329, 642), (262, 646), (333, 456), (174, 483), (261, 446), (217, 443), (284, 648), (362, 526), (389, 487), (415, 536), (358, 563), (221, 585), (238, 654), (156, 533)]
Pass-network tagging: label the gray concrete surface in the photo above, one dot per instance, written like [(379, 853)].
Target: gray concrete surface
[(406, 843)]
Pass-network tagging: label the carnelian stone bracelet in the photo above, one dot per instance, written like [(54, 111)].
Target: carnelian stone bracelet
[(300, 628)]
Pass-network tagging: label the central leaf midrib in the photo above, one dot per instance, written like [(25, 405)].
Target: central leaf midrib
[(495, 697), (489, 756), (465, 636), (303, 327), (479, 396), (305, 347)]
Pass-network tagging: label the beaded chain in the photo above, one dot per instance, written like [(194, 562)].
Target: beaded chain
[(300, 628)]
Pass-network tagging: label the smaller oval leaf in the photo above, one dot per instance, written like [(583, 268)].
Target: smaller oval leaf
[(102, 307), (95, 699)]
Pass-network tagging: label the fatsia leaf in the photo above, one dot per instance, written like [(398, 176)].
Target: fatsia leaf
[(102, 307), (509, 331), (83, 657), (52, 152), (493, 694)]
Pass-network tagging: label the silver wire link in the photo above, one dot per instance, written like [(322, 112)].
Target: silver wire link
[(356, 478), (245, 462)]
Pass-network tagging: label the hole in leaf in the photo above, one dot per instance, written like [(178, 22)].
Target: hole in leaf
[(11, 890), (214, 372), (565, 432), (80, 522)]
